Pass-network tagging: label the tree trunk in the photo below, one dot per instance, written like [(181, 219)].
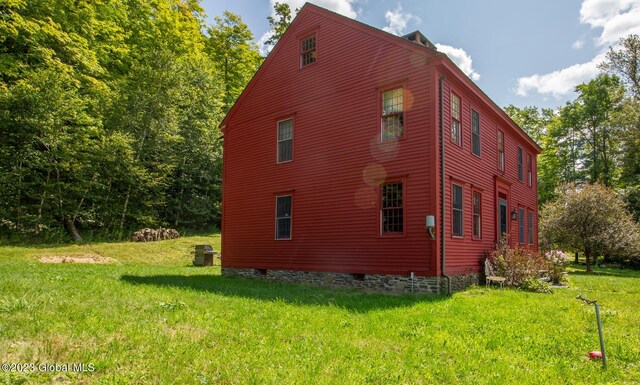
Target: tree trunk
[(577, 261), (71, 229), (124, 210), (42, 200), (588, 258)]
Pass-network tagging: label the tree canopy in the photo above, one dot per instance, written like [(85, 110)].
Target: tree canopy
[(109, 113)]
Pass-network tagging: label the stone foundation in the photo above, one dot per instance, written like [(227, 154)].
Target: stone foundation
[(397, 284)]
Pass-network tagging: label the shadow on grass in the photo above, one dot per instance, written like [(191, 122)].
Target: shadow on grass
[(608, 273), (293, 294)]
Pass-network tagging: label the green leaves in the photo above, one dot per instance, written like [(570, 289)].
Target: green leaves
[(109, 113)]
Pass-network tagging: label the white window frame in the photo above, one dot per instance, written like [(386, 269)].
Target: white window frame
[(284, 140)]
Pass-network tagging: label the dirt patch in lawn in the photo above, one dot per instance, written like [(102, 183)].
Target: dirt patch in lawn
[(84, 258)]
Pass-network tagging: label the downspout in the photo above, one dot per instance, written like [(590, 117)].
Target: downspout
[(443, 258)]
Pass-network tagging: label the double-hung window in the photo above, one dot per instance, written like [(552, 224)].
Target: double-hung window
[(308, 53), (475, 132), (457, 213), (283, 216), (392, 114), (285, 140), (455, 119), (391, 208)]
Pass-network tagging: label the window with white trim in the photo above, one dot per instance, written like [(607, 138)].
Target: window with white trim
[(285, 140), (283, 216), (391, 208), (455, 119), (392, 114), (308, 53), (457, 213)]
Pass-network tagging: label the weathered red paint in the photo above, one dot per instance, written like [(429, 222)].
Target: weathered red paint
[(339, 160)]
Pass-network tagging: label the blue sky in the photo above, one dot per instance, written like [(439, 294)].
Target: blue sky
[(526, 53)]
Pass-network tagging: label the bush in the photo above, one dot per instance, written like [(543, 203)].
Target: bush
[(517, 264), (535, 285), (557, 262)]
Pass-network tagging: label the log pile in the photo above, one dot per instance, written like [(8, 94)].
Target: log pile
[(148, 235)]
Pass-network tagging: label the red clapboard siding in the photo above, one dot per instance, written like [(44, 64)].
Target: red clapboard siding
[(339, 160)]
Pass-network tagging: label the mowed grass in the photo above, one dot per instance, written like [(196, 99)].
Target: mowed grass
[(154, 319)]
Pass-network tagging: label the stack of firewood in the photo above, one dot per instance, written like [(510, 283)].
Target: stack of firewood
[(148, 235)]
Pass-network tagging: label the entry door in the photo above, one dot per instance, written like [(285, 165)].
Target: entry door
[(502, 218)]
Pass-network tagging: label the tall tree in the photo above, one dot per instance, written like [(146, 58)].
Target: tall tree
[(625, 62), (591, 115), (234, 54), (279, 23)]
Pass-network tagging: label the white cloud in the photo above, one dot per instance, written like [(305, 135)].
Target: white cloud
[(461, 58), (561, 82), (577, 44), (343, 7), (398, 20), (616, 18)]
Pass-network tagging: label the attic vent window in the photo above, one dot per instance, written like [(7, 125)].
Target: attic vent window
[(308, 53)]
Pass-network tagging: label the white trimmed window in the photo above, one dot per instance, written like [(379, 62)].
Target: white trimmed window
[(392, 114), (285, 140)]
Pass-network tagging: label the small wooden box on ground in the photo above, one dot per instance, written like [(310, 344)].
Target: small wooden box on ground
[(205, 255)]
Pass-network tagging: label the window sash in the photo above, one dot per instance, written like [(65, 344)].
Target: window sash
[(285, 140), (392, 114), (477, 219), (457, 211), (475, 132), (308, 50), (283, 217), (392, 210)]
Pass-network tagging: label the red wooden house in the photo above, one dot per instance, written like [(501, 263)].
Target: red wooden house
[(358, 158)]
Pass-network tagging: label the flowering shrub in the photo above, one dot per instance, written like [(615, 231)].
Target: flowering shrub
[(517, 264), (557, 262)]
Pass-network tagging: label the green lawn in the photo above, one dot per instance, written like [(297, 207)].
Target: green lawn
[(154, 319)]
